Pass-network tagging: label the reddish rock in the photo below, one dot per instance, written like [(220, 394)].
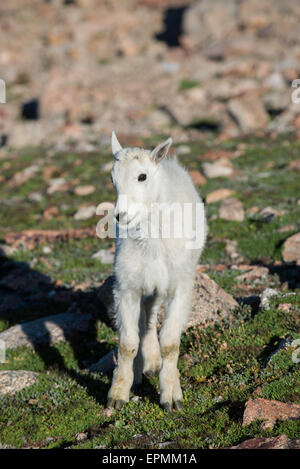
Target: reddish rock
[(218, 195), (232, 209), (249, 112), (197, 178), (277, 442), (291, 249), (270, 411)]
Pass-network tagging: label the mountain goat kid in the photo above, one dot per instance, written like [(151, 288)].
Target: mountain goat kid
[(152, 269)]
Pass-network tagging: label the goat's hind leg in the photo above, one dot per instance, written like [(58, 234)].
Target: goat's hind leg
[(176, 316), (128, 313)]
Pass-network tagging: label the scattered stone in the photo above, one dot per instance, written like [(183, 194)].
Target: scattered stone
[(285, 307), (197, 178), (107, 167), (47, 330), (106, 363), (218, 195), (286, 228), (84, 213), (50, 212), (104, 256), (268, 213), (232, 209), (12, 381), (249, 112), (270, 411), (36, 197), (183, 150), (107, 412), (295, 165), (291, 249), (84, 190), (58, 185), (23, 176), (231, 249), (265, 297), (275, 442), (253, 273), (221, 168), (81, 436)]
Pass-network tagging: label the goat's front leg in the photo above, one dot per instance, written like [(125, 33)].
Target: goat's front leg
[(177, 311), (128, 312)]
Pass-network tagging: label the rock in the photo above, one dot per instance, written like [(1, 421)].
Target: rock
[(270, 411), (57, 185), (221, 168), (295, 165), (210, 302), (249, 112), (232, 209), (106, 363), (197, 178), (81, 436), (276, 442), (218, 195), (208, 20), (23, 176), (107, 167), (104, 256), (84, 190), (291, 249), (12, 381), (253, 273), (282, 345), (84, 213), (47, 330), (275, 81), (264, 298), (268, 213)]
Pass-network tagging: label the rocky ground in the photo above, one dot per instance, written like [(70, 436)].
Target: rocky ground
[(238, 358), (76, 69)]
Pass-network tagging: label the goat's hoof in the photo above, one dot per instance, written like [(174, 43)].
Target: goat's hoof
[(149, 373), (167, 406), (178, 405), (115, 404)]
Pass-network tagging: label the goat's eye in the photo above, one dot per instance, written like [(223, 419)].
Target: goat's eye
[(142, 177)]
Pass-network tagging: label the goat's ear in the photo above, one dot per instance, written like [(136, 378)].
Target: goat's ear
[(115, 146), (161, 151)]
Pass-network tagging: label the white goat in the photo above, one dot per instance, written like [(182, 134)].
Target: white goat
[(151, 271)]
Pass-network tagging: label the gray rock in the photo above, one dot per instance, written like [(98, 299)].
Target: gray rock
[(47, 330), (12, 381), (85, 213), (265, 297), (232, 209), (104, 256)]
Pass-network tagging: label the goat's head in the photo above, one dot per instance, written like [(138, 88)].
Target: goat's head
[(134, 178)]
